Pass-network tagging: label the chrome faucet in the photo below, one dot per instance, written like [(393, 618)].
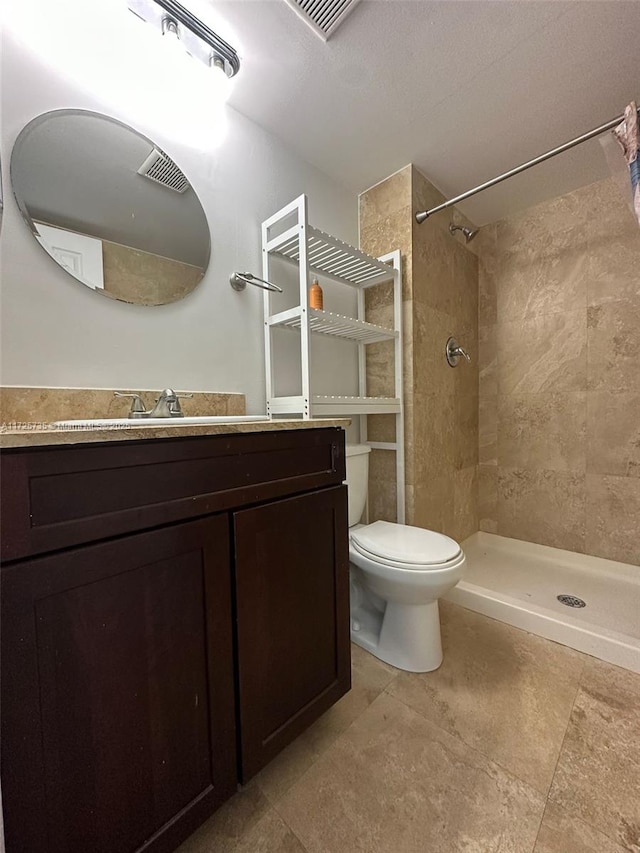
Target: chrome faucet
[(167, 405)]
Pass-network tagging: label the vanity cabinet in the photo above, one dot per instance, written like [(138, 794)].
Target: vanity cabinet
[(174, 612), (118, 689), (293, 657)]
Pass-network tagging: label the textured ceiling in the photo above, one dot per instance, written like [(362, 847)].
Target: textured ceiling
[(465, 90)]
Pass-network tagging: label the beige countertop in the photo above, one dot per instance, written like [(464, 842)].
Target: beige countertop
[(43, 436)]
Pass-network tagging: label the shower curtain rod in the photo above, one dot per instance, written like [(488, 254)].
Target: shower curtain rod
[(425, 214)]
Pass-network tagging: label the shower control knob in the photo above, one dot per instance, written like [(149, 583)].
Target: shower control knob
[(454, 353)]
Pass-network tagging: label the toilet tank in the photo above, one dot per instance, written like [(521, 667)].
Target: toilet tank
[(357, 462)]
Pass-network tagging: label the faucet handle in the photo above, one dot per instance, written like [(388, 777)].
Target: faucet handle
[(454, 352), (168, 404), (174, 405), (137, 406)]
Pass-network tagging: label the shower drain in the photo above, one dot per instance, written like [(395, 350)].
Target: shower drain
[(571, 601)]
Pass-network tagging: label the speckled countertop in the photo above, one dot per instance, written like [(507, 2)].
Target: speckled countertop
[(43, 436)]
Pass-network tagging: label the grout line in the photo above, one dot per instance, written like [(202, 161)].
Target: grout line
[(274, 804), (316, 757), (470, 746), (295, 834), (572, 814), (564, 736), (544, 811)]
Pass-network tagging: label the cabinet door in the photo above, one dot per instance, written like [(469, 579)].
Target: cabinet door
[(292, 594), (118, 726)]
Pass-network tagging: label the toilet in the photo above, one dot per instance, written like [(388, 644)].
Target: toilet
[(397, 574)]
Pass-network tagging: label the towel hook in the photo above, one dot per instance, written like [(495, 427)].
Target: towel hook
[(239, 280)]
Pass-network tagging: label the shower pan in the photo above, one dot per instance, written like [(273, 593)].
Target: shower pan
[(524, 584)]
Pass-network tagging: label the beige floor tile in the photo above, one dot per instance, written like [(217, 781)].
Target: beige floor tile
[(269, 834), (562, 832), (370, 676), (598, 773), (396, 783), (226, 828), (504, 692), (285, 769)]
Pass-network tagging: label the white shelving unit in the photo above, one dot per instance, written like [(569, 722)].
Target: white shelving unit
[(315, 253)]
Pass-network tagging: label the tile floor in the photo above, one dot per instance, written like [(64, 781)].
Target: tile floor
[(515, 745)]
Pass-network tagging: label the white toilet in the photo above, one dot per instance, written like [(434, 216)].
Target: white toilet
[(397, 575)]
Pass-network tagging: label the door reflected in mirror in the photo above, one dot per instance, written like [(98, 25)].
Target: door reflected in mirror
[(110, 207)]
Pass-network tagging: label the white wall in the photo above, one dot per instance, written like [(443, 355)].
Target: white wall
[(55, 332)]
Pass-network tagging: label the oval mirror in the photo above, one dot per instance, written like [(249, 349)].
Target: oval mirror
[(110, 207)]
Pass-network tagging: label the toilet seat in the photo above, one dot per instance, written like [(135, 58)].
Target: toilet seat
[(405, 547)]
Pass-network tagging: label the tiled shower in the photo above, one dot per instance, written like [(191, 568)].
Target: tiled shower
[(539, 438), (559, 349)]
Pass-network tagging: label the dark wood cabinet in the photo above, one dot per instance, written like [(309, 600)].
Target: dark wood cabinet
[(292, 576), (173, 613), (121, 718)]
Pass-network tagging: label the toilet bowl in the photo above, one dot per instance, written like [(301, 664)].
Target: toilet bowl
[(397, 575)]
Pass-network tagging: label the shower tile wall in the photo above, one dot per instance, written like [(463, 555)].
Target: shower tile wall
[(440, 298), (559, 348), (136, 276), (385, 225), (445, 399)]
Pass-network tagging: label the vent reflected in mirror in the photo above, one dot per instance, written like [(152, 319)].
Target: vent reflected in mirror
[(110, 207)]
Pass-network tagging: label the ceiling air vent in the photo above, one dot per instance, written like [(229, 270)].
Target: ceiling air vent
[(323, 16), (161, 169)]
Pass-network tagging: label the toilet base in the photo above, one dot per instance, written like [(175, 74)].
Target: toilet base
[(406, 635)]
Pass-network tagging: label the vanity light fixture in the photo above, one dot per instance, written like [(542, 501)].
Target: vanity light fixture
[(198, 40)]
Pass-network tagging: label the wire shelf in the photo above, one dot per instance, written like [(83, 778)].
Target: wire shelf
[(331, 257), (336, 325)]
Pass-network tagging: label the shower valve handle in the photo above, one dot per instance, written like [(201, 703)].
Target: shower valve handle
[(454, 352)]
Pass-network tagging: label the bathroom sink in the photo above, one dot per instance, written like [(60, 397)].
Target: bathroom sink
[(119, 423)]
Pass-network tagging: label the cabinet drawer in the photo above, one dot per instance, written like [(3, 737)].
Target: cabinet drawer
[(57, 497)]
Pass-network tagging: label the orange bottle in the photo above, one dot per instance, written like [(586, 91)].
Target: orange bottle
[(315, 295)]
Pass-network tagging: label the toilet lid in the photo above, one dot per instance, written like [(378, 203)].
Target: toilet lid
[(404, 544)]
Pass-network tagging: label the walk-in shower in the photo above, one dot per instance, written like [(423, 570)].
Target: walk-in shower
[(557, 552)]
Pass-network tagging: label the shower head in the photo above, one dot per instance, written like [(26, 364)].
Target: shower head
[(469, 233)]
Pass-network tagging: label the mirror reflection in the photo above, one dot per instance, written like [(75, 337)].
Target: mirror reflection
[(110, 207)]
